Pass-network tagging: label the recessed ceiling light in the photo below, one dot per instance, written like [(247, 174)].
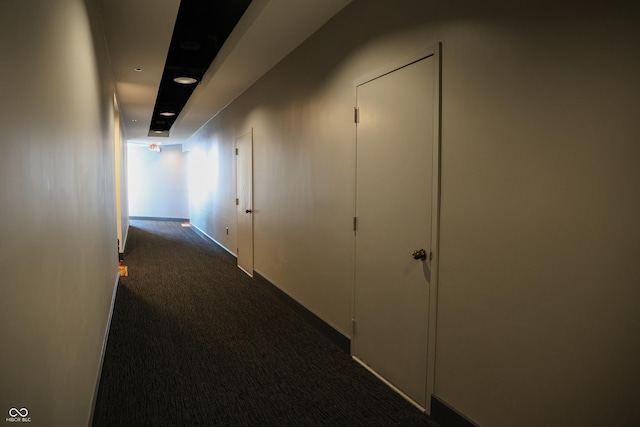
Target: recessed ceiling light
[(158, 131), (137, 70), (167, 114), (185, 80), (134, 120), (190, 45)]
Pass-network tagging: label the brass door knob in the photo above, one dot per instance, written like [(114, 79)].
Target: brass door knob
[(419, 254)]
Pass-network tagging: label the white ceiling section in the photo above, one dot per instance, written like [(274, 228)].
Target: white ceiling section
[(138, 34)]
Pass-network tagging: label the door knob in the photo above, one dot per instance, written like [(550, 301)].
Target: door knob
[(248, 211), (419, 254)]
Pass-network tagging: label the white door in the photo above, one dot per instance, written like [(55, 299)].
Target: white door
[(395, 142), (244, 201)]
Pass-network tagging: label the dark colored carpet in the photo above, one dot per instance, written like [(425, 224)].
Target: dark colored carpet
[(194, 341)]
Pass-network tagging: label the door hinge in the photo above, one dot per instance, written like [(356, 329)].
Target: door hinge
[(355, 223), (430, 256), (356, 115), (236, 151), (237, 202), (353, 327)]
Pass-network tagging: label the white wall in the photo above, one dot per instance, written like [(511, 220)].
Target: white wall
[(538, 312), (158, 182), (58, 255)]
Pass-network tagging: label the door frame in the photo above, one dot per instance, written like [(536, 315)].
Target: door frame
[(118, 171), (250, 203), (435, 52)]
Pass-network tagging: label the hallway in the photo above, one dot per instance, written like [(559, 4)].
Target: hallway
[(194, 341)]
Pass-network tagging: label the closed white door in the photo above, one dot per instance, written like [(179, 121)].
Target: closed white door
[(395, 137), (244, 201)]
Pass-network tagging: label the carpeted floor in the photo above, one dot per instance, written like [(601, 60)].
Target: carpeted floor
[(194, 341)]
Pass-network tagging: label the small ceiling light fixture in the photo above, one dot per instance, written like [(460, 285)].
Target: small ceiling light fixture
[(167, 114), (155, 147), (190, 45), (185, 80), (137, 70)]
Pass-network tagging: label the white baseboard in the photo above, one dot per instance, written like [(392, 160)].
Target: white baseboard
[(390, 385), (104, 348), (199, 231)]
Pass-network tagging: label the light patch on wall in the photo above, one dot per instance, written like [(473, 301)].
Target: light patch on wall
[(203, 174), (157, 182)]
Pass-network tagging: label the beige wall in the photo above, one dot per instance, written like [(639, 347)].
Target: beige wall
[(157, 182), (538, 310), (57, 201)]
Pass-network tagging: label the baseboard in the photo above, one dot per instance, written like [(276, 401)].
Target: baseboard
[(104, 348), (326, 329), (389, 384), (156, 218), (125, 237), (210, 239), (446, 416)]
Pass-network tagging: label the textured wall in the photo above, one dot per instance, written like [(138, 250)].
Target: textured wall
[(58, 252), (538, 294)]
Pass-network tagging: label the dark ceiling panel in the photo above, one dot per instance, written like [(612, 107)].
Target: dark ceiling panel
[(201, 28)]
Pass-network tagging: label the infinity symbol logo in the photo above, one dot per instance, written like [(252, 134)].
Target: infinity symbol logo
[(14, 412)]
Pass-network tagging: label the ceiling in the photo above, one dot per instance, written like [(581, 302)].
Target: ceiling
[(200, 30), (139, 34)]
